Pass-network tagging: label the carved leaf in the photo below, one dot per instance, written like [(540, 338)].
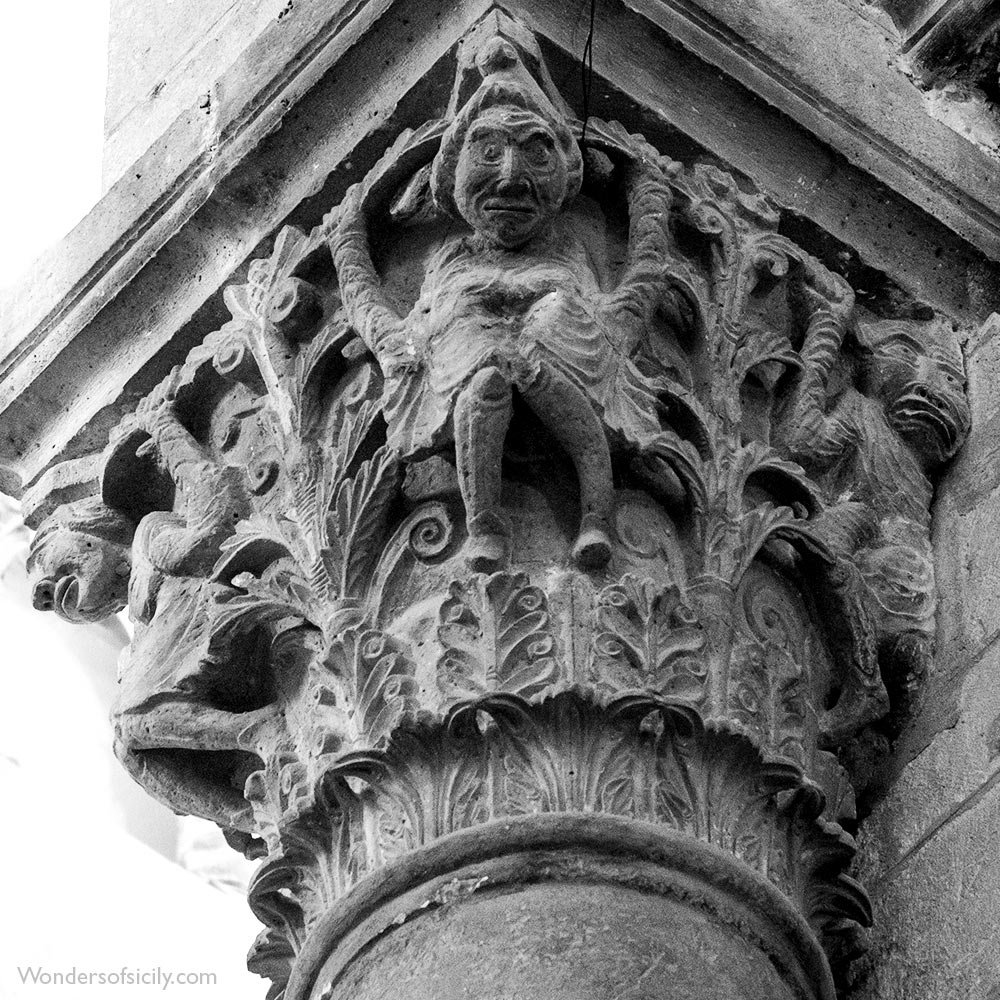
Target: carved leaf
[(378, 682), (647, 639), (361, 510), (496, 636)]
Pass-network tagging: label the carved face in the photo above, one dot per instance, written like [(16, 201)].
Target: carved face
[(511, 178), (916, 371), (81, 577)]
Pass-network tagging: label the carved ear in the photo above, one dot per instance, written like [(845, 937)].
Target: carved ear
[(414, 204)]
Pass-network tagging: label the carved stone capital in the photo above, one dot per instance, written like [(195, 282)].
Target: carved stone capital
[(544, 533)]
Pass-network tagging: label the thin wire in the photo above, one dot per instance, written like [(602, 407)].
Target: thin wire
[(587, 70)]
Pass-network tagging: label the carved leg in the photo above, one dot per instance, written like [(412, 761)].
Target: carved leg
[(212, 497), (482, 416), (571, 419)]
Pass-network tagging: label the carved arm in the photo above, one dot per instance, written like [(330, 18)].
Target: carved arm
[(828, 301), (645, 281), (370, 312), (212, 495)]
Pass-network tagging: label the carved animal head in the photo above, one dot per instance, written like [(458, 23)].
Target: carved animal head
[(80, 562), (509, 161), (915, 370)]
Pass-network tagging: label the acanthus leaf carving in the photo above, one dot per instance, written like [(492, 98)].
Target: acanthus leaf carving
[(496, 637), (647, 638)]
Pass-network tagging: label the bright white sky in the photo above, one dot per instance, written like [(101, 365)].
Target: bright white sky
[(79, 894), (53, 69)]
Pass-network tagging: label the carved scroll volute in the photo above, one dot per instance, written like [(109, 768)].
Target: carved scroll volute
[(378, 534)]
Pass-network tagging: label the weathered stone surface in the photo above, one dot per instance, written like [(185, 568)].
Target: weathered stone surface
[(535, 944), (583, 913), (544, 476), (936, 913), (543, 473), (958, 763), (967, 554), (166, 58)]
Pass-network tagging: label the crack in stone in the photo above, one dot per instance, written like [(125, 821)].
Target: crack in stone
[(650, 968)]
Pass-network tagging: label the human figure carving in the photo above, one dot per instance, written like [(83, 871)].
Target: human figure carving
[(517, 305), (177, 688), (213, 498)]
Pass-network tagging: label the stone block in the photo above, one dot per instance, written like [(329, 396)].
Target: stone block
[(975, 473), (937, 922), (959, 762), (967, 547), (968, 573), (165, 59)]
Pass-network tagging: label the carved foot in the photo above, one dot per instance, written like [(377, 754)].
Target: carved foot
[(592, 548), (486, 553), (487, 546)]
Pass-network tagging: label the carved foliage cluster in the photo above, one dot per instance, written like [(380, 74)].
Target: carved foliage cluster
[(502, 757)]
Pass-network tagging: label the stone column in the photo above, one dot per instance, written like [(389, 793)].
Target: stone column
[(531, 569)]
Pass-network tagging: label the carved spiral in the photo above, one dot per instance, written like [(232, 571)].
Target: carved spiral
[(392, 689), (635, 536), (530, 600), (229, 356), (540, 647), (683, 617), (358, 389), (373, 646), (616, 598), (431, 535), (295, 309), (748, 698), (772, 618), (609, 645), (644, 535), (263, 475)]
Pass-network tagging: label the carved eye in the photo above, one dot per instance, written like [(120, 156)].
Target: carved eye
[(898, 349), (538, 152), (490, 151)]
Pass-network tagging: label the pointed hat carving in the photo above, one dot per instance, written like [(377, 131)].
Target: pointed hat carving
[(499, 48), (500, 64)]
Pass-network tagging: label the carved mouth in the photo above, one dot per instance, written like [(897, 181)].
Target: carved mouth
[(212, 781), (917, 415), (67, 595), (496, 206)]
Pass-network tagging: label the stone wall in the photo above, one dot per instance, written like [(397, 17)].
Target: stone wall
[(930, 847)]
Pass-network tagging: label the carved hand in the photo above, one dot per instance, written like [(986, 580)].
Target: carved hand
[(821, 288), (825, 302), (163, 395), (349, 219)]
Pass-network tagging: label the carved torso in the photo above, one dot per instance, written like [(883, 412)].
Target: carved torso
[(871, 461), (482, 307)]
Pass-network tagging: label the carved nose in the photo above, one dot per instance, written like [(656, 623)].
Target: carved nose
[(928, 394), (512, 177), (42, 596)]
